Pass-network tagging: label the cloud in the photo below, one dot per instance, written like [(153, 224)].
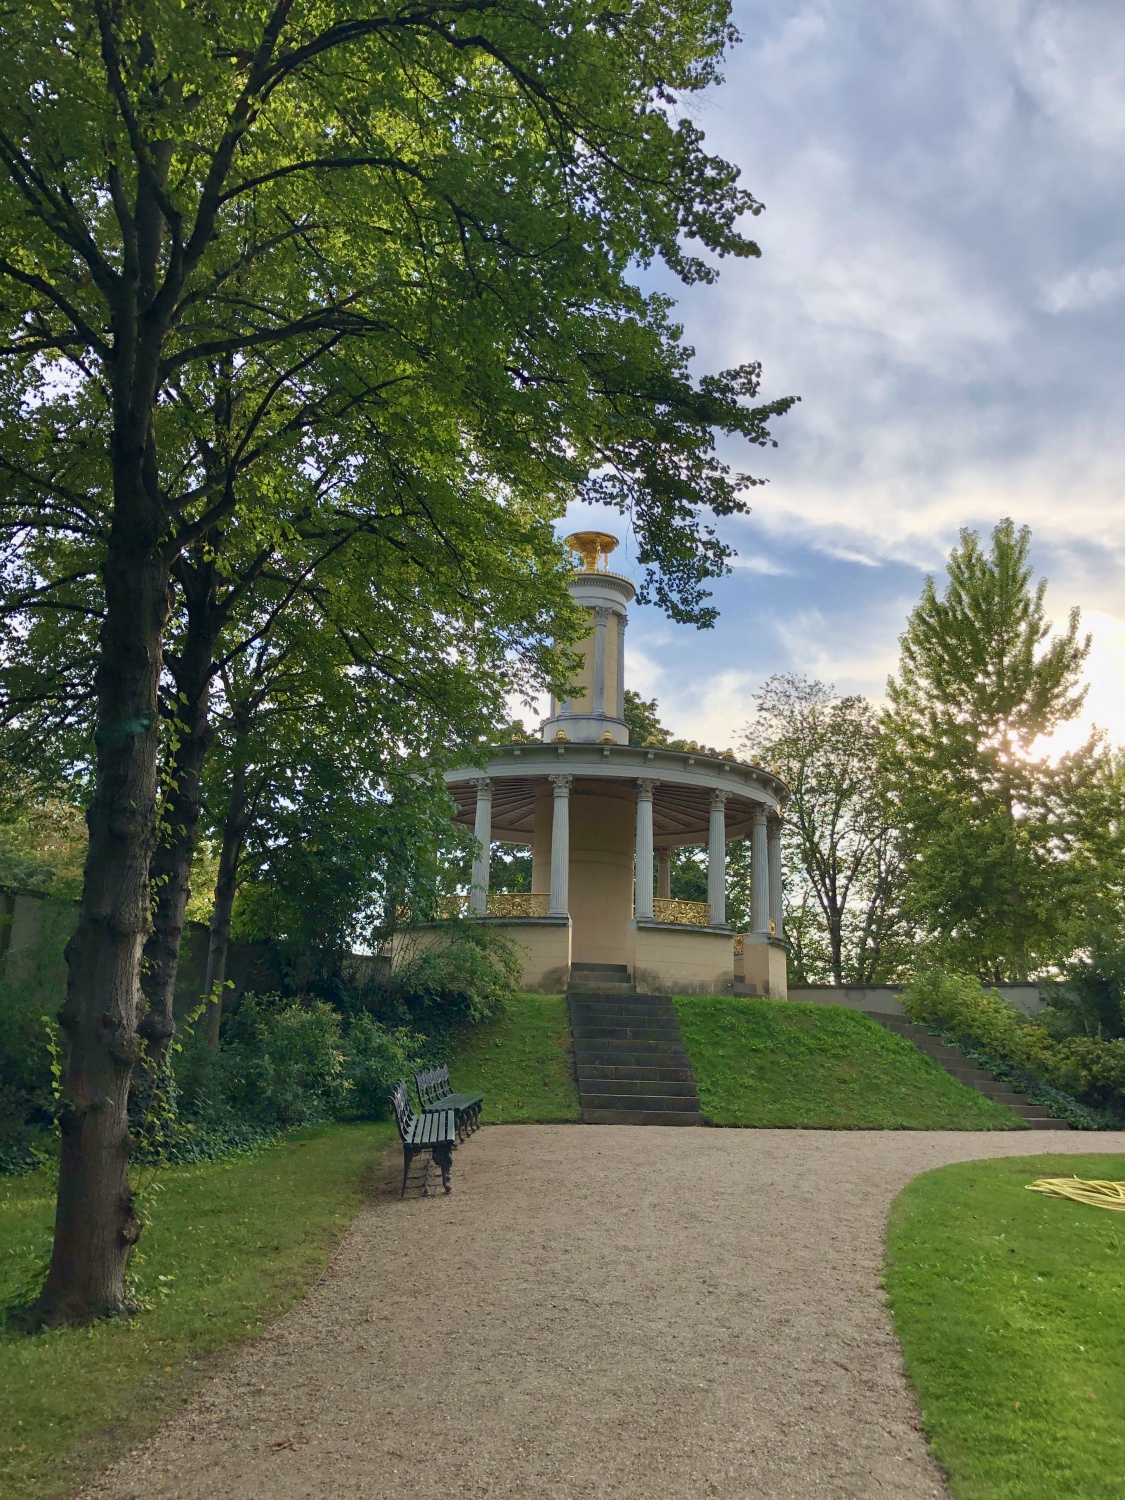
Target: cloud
[(1079, 290), (941, 282)]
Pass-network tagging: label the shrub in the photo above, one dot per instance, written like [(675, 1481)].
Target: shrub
[(980, 1020), (281, 1064), (285, 1063), (377, 1059), (465, 977)]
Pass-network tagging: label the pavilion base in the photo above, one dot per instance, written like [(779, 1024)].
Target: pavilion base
[(542, 944), (762, 968), (668, 958)]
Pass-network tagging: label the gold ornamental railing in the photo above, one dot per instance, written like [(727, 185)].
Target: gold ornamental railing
[(500, 904), (683, 913), (740, 942), (517, 904)]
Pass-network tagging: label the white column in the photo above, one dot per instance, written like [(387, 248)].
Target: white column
[(601, 615), (622, 621), (482, 829), (717, 860), (759, 874), (664, 874), (642, 904), (560, 848), (777, 909)]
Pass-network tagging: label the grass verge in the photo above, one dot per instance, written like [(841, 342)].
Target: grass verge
[(522, 1062), (231, 1245), (1008, 1307), (786, 1064)]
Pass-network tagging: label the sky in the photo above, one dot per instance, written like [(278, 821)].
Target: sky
[(942, 283)]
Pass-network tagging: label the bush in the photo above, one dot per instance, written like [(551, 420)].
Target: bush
[(466, 977), (1087, 1069), (377, 1059), (285, 1063), (1088, 999)]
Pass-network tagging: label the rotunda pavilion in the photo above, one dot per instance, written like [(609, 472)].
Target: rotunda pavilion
[(596, 809)]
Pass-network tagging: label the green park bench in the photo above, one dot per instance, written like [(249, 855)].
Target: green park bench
[(435, 1094), (434, 1131)]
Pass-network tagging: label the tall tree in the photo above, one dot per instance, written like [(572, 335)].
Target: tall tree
[(842, 847), (338, 201), (982, 677)]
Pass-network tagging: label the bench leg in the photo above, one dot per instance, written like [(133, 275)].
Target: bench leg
[(407, 1158), (443, 1155)]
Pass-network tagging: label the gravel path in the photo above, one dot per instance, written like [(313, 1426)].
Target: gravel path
[(596, 1311)]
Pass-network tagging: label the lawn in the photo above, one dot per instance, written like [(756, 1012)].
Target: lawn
[(230, 1246), (1009, 1308), (522, 1062), (785, 1064)]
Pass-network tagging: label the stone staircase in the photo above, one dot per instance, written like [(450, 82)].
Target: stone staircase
[(954, 1061), (629, 1054)]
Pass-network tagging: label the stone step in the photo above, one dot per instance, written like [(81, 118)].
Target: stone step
[(652, 1032), (619, 969), (634, 1056), (586, 1019), (629, 1056), (624, 1002), (645, 1086), (599, 987), (639, 1103), (597, 1049), (651, 1072), (954, 1061), (639, 1117)]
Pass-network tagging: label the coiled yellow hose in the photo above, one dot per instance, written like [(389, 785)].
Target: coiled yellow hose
[(1098, 1194)]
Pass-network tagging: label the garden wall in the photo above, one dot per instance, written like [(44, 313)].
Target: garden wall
[(884, 997)]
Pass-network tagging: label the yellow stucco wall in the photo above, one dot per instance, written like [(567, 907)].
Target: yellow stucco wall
[(764, 966), (602, 841), (544, 949), (681, 960), (582, 701)]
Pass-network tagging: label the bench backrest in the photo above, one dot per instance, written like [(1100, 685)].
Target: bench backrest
[(400, 1098), (433, 1084)]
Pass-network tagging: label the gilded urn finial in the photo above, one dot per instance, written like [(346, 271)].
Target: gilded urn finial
[(592, 545)]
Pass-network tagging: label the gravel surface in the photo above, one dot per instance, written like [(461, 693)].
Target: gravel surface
[(595, 1311)]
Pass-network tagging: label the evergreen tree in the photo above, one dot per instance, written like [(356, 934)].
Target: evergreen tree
[(996, 867)]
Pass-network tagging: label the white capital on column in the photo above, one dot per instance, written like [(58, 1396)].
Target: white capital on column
[(560, 847), (642, 905), (717, 860), (777, 906), (601, 615), (482, 829), (759, 874)]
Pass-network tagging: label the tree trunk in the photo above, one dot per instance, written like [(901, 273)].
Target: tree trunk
[(96, 1222), (226, 886), (172, 861)]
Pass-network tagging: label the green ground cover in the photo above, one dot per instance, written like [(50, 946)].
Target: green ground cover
[(522, 1062), (785, 1064), (1008, 1305), (231, 1245)]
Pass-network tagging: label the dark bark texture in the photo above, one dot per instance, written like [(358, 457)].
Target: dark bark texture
[(191, 670), (235, 827), (96, 1221)]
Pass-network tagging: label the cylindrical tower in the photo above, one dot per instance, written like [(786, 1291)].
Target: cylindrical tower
[(595, 713)]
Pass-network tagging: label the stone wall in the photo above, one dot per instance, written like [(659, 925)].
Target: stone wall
[(884, 998)]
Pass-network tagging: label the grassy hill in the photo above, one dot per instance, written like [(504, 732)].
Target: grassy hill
[(780, 1063), (756, 1062), (522, 1062)]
